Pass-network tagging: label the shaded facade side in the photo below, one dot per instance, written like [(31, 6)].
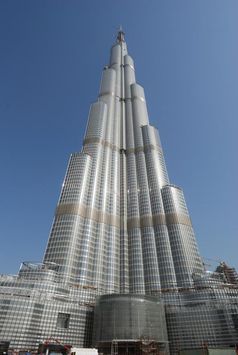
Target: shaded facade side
[(200, 317)]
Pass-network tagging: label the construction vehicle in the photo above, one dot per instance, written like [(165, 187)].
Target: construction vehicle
[(54, 347)]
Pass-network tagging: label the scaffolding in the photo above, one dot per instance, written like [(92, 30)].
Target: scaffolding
[(230, 273)]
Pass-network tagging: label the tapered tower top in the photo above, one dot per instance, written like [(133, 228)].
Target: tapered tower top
[(120, 35)]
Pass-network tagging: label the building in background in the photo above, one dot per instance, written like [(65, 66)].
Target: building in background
[(120, 227)]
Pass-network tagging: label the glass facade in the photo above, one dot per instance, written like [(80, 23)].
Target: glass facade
[(198, 317), (129, 317), (119, 227), (127, 320), (37, 305)]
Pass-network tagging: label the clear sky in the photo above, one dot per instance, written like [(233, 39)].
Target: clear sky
[(51, 56)]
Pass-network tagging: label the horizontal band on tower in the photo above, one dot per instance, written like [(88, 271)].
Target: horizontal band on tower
[(87, 212), (115, 63), (158, 219), (129, 65), (177, 218), (113, 220), (145, 149), (146, 221), (102, 142), (112, 93)]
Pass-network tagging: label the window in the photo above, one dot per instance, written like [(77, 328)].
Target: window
[(63, 320)]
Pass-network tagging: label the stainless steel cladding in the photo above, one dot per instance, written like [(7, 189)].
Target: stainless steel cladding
[(119, 226), (186, 257)]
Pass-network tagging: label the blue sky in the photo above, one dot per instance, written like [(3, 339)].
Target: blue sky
[(51, 57)]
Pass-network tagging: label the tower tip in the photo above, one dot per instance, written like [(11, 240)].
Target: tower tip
[(120, 35)]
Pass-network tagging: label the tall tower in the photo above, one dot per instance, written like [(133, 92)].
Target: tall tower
[(120, 226)]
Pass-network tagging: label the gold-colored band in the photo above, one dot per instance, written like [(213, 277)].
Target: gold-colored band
[(87, 212), (113, 220), (146, 221), (102, 142), (175, 218)]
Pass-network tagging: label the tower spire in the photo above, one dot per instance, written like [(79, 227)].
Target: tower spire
[(120, 35)]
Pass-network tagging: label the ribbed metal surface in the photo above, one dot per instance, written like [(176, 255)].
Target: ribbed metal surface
[(119, 226)]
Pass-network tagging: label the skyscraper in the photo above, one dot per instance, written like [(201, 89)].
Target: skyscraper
[(119, 224), (120, 227)]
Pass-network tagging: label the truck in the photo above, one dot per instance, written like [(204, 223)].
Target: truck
[(83, 351)]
